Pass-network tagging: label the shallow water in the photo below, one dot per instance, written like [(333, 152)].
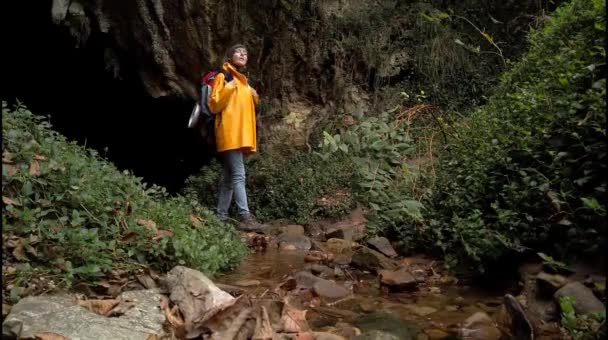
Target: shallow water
[(436, 307)]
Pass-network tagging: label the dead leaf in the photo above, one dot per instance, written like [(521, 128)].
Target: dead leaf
[(263, 329), (12, 241), (9, 201), (11, 170), (40, 158), (101, 307), (34, 239), (196, 221), (146, 281), (104, 283), (161, 233), (152, 337), (49, 336), (34, 168), (128, 237), (121, 308), (176, 321), (19, 253), (31, 250), (7, 157), (149, 224), (293, 319)]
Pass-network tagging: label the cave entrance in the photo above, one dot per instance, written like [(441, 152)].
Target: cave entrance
[(45, 70)]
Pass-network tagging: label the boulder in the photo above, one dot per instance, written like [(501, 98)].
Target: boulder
[(400, 279), (294, 242), (197, 297), (293, 229), (330, 290), (382, 245), (320, 269), (306, 279), (479, 326), (339, 246), (378, 335), (381, 325), (548, 284), (352, 228), (61, 314), (371, 260), (584, 299)]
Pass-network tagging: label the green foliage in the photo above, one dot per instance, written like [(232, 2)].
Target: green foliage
[(301, 188), (76, 215), (386, 179), (581, 327), (526, 170)]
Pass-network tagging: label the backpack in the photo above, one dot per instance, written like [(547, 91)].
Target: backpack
[(201, 117)]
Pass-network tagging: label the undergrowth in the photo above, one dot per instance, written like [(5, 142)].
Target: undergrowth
[(77, 217), (526, 170)]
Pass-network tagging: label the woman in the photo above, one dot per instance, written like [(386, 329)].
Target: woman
[(233, 102)]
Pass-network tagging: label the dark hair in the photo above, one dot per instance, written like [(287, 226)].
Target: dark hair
[(230, 51)]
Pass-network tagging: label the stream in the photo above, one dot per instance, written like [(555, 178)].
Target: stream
[(434, 309)]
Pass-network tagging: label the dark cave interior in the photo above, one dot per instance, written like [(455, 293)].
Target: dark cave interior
[(43, 69)]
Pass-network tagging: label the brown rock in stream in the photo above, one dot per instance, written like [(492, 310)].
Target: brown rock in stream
[(371, 260), (353, 228), (397, 279), (548, 284), (584, 299), (382, 245), (293, 229), (294, 242), (330, 290), (479, 326)]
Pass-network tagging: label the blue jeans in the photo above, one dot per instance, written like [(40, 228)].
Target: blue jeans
[(232, 183)]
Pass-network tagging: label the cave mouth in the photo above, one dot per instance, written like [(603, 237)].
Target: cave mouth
[(44, 70)]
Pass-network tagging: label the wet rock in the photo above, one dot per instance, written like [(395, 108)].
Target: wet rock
[(421, 310), (479, 326), (338, 272), (519, 327), (437, 334), (585, 301), (306, 279), (342, 260), (352, 228), (294, 242), (339, 246), (61, 315), (383, 326), (451, 308), (397, 279), (327, 336), (247, 283), (379, 335), (320, 269), (293, 229), (371, 260), (382, 245), (197, 297), (330, 290), (318, 256), (548, 284)]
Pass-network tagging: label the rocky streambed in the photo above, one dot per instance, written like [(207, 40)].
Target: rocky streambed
[(325, 281)]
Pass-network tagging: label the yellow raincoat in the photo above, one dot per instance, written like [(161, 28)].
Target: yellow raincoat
[(233, 103)]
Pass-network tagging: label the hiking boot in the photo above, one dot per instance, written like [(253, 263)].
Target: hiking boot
[(249, 223)]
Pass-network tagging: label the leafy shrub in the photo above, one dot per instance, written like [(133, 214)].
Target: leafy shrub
[(386, 179), (526, 170), (67, 210), (301, 188), (581, 327)]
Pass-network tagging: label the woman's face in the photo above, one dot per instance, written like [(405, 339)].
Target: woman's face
[(239, 57)]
